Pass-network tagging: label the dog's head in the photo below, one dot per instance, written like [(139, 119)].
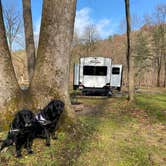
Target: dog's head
[(54, 109), (23, 118), (58, 107)]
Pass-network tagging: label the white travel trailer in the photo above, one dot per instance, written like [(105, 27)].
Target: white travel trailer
[(97, 74)]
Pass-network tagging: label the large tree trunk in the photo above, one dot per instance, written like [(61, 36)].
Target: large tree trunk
[(9, 88), (51, 75), (130, 61), (29, 39)]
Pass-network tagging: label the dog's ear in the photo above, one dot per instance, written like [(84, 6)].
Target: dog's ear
[(51, 107), (45, 112), (17, 122), (32, 115)]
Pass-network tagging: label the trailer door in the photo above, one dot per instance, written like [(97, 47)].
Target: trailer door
[(116, 76)]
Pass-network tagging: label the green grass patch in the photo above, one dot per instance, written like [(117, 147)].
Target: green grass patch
[(108, 132), (154, 104)]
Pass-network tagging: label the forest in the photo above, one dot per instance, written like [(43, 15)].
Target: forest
[(125, 129)]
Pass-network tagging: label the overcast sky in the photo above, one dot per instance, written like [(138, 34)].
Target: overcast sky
[(106, 15)]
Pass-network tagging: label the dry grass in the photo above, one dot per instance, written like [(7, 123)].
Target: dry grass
[(109, 132)]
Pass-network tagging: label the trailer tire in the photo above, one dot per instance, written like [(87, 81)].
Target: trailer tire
[(119, 89)]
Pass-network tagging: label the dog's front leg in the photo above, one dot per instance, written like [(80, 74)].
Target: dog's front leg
[(47, 137), (53, 135), (18, 150), (29, 145)]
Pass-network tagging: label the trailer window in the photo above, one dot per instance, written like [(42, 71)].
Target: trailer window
[(95, 70), (115, 70)]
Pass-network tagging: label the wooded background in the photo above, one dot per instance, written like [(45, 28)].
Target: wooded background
[(148, 45)]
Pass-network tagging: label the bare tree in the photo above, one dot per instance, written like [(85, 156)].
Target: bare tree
[(9, 89), (89, 39), (130, 62), (165, 70), (30, 46), (51, 74), (159, 39), (13, 25), (161, 15), (142, 55), (136, 22)]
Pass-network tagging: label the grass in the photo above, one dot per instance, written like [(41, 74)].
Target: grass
[(155, 105), (109, 132)]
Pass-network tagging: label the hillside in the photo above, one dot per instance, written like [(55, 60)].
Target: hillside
[(115, 47), (148, 60)]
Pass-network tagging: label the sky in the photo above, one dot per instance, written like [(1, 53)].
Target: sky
[(106, 15)]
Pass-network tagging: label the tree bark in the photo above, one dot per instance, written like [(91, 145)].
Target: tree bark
[(130, 61), (9, 88), (29, 38), (51, 75), (165, 71), (158, 70)]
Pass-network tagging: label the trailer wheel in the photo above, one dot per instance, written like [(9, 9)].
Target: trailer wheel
[(119, 89), (84, 93)]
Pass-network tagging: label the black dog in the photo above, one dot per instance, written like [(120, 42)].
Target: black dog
[(20, 132), (47, 119)]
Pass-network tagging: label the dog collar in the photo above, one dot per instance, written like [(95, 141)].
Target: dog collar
[(14, 130)]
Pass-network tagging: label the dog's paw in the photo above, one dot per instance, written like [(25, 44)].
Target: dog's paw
[(18, 155), (30, 152), (4, 150), (54, 137), (47, 144)]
